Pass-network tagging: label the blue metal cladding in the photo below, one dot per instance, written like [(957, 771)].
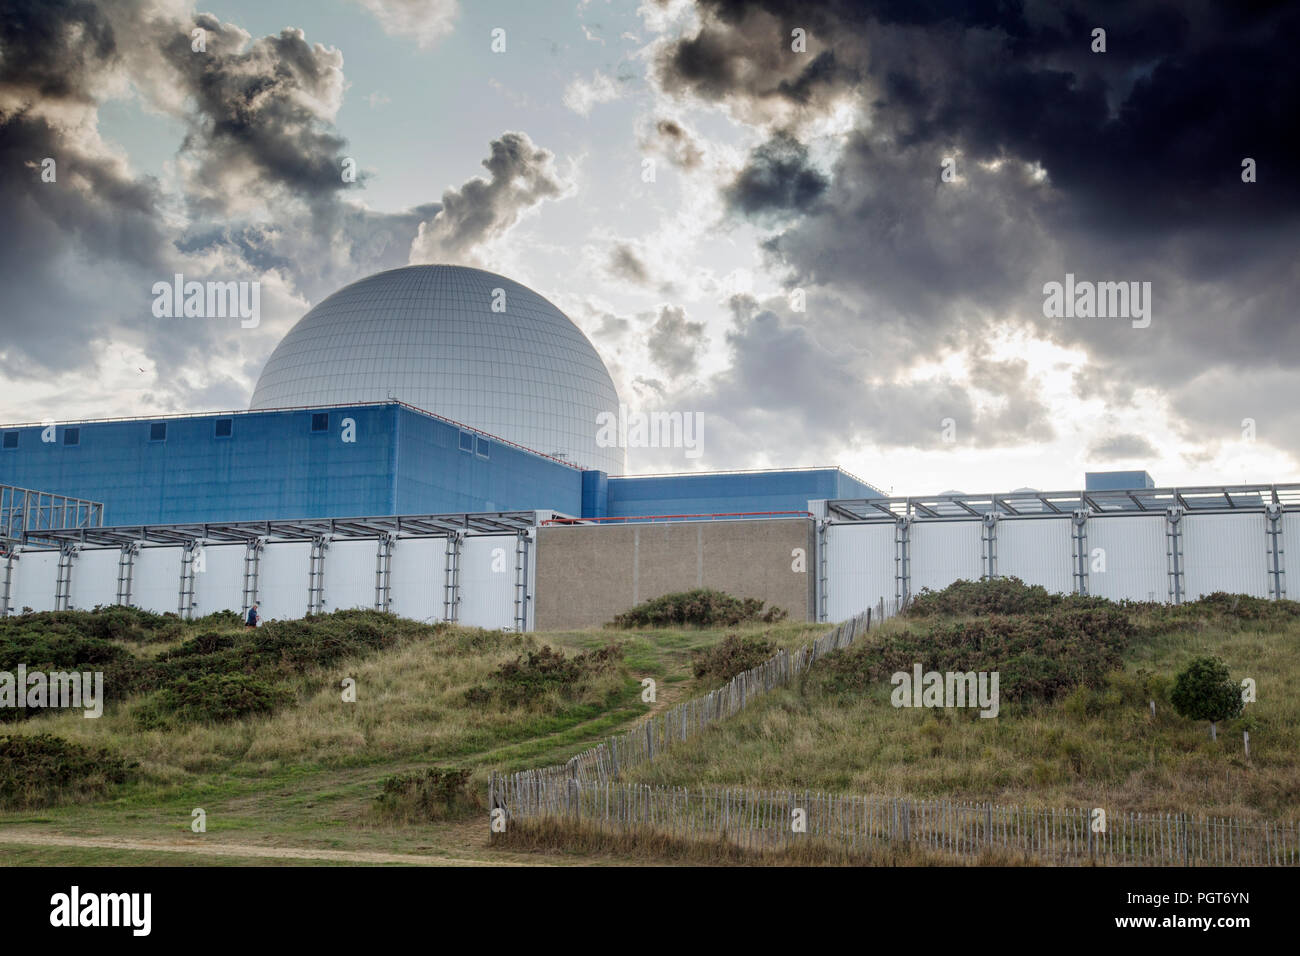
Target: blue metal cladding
[(730, 492), (595, 494), (1116, 480), (438, 471), (274, 465)]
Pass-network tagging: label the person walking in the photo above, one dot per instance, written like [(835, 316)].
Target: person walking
[(253, 617)]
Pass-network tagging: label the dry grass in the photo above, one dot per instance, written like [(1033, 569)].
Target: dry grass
[(1040, 755), (565, 838)]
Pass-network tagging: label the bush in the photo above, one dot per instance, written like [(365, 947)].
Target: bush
[(734, 655), (531, 677), (431, 794), (213, 698), (52, 645), (1204, 690), (37, 770), (1037, 656), (699, 608), (996, 596)]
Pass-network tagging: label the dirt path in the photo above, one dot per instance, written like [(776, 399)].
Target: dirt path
[(204, 848)]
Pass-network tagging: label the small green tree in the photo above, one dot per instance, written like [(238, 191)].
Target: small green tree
[(1205, 691)]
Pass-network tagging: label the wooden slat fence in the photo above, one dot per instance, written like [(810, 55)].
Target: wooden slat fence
[(764, 820)]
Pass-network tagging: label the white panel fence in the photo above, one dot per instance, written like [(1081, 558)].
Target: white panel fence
[(1137, 556), (478, 579)]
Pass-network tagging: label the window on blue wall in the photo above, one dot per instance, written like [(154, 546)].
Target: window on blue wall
[(224, 427), (482, 449), (11, 439), (72, 436), (158, 431), (320, 421), (466, 441)]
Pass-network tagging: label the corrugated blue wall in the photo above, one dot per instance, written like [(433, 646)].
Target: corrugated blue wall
[(1116, 480), (274, 466), (722, 492), (435, 474)]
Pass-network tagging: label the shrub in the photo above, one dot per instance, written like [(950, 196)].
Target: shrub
[(1008, 595), (1037, 656), (1204, 690), (699, 608), (213, 698), (431, 794), (531, 677), (51, 645), (36, 770), (734, 655)]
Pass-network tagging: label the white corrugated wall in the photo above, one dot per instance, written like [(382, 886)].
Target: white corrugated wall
[(487, 581), (282, 582), (220, 585), (418, 578), (350, 575), (35, 578), (859, 567), (1036, 550), (1224, 553), (1133, 554), (94, 579), (156, 582), (944, 552)]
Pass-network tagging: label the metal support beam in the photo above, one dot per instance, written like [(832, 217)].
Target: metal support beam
[(191, 553), (989, 546), (1276, 553), (252, 569), (126, 572), (316, 575), (523, 545), (11, 559), (451, 584), (63, 583), (1174, 553), (823, 571), (384, 571), (1079, 536), (902, 561)]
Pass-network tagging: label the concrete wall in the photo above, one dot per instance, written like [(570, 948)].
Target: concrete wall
[(586, 574)]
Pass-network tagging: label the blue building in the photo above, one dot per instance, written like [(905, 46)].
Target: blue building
[(1117, 480), (350, 460), (338, 426)]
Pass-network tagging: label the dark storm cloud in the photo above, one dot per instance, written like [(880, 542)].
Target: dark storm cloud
[(777, 178), (674, 342), (790, 388), (1119, 447), (522, 175), (624, 264), (1123, 165), (262, 195), (262, 111), (674, 141), (53, 48)]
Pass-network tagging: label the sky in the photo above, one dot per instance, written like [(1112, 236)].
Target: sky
[(827, 229)]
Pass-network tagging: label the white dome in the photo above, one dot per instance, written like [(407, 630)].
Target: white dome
[(428, 336)]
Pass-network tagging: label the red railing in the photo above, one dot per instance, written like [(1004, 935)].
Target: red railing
[(640, 518)]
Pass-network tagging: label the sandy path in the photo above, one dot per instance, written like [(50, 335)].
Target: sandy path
[(204, 848)]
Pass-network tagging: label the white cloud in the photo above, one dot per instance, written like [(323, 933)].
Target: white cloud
[(581, 95)]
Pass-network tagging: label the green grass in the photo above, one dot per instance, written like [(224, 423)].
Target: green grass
[(1111, 752), (308, 774)]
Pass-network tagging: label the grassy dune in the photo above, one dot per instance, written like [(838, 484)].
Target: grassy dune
[(1088, 748)]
